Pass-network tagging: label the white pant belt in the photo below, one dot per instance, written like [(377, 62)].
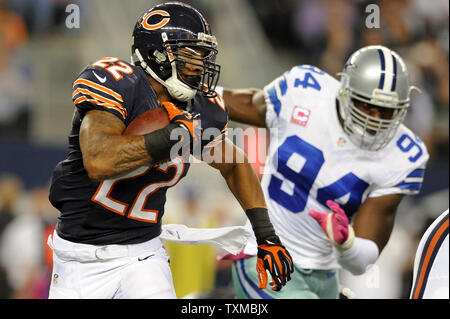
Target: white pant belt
[(70, 251)]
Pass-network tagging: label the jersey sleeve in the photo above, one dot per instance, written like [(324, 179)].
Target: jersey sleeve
[(406, 174), (95, 89), (301, 85), (217, 130), (274, 94)]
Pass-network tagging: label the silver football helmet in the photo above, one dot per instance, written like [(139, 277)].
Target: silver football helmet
[(374, 81)]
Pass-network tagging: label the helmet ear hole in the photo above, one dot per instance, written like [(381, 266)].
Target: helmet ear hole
[(159, 57)]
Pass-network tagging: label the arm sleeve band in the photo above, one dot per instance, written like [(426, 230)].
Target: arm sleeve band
[(262, 226), (363, 253), (159, 143)]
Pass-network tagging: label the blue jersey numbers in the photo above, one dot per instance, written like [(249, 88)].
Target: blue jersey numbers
[(299, 163), (410, 145)]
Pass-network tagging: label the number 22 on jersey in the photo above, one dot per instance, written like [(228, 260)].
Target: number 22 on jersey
[(137, 211), (114, 66)]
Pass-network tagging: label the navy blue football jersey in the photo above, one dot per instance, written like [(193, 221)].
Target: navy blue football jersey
[(126, 209)]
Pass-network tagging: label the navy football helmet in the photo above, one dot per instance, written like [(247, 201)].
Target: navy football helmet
[(163, 36)]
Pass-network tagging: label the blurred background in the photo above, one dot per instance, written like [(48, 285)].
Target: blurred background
[(43, 48)]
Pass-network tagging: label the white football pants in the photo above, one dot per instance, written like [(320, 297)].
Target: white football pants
[(112, 271)]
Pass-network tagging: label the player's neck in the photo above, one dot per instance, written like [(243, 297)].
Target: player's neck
[(161, 92)]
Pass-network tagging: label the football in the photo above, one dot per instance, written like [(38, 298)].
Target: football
[(148, 121)]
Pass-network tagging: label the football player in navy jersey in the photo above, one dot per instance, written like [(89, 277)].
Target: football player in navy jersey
[(111, 189)]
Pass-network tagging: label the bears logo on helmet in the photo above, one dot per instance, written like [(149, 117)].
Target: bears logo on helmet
[(146, 25)]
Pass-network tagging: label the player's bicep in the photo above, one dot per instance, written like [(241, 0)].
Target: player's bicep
[(96, 127), (375, 218)]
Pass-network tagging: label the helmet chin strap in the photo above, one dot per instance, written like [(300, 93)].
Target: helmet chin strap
[(177, 89)]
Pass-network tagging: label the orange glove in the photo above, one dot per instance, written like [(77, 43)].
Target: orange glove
[(277, 260), (186, 119)]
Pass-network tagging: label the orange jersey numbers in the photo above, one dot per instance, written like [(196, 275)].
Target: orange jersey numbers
[(137, 211), (114, 66)]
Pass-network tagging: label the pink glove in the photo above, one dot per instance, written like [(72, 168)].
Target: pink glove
[(335, 225)]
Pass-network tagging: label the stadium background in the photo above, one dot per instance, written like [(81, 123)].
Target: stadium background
[(258, 40)]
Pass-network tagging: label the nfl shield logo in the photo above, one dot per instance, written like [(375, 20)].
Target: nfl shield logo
[(300, 115)]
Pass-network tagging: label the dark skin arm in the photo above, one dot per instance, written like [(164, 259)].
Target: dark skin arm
[(246, 106), (238, 174), (106, 152), (375, 218)]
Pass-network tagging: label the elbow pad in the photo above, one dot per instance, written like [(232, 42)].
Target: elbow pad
[(362, 253)]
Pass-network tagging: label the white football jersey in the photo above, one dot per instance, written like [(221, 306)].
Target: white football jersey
[(311, 160)]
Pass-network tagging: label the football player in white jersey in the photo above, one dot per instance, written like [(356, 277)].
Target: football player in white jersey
[(339, 163)]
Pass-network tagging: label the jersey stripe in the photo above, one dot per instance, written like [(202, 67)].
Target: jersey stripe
[(274, 99), (249, 287), (99, 87), (98, 97), (218, 139), (283, 85), (411, 186), (104, 104), (417, 173), (429, 252)]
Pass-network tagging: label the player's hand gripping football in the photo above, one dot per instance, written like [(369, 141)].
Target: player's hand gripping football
[(336, 225), (273, 257), (185, 119)]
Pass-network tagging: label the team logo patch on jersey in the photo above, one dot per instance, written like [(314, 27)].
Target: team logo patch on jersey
[(341, 142), (300, 115)]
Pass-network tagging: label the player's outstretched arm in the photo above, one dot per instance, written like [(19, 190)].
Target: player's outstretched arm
[(244, 184), (246, 106)]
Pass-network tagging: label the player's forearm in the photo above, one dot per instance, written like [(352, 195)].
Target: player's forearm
[(115, 155), (376, 217), (243, 106), (245, 186), (356, 259), (106, 152)]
